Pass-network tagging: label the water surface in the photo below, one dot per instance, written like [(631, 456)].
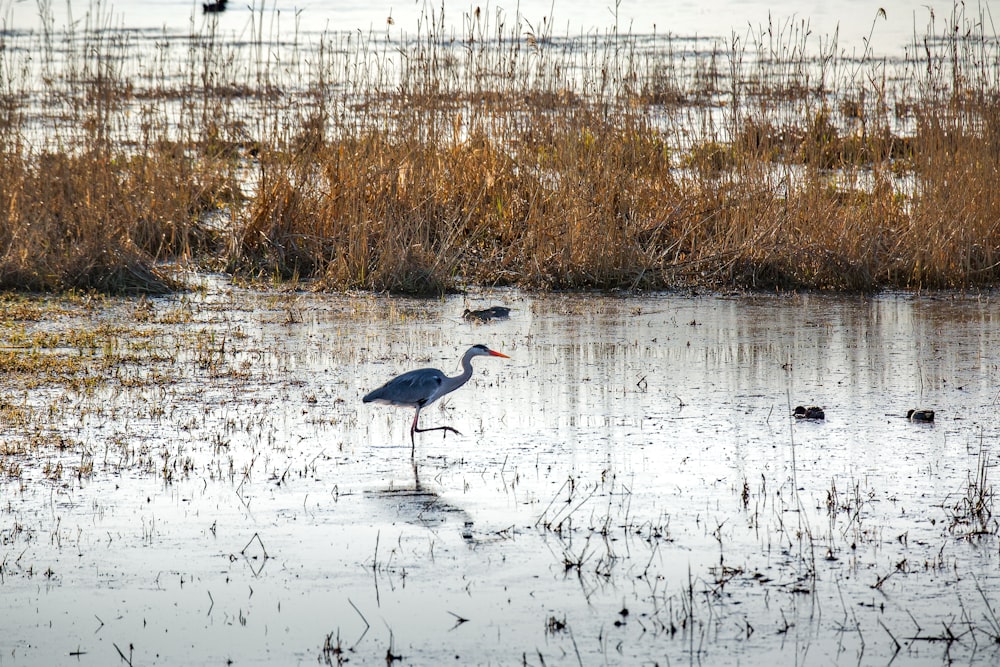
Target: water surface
[(855, 25), (629, 488)]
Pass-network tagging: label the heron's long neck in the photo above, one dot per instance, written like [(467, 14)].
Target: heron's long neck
[(453, 383)]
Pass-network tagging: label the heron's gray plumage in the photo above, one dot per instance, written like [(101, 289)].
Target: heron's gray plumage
[(413, 389), (416, 389)]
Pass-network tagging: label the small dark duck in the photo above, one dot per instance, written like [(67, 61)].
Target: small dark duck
[(214, 7), (486, 314), (809, 412), (924, 416)]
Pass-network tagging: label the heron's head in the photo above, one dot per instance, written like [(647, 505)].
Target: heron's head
[(483, 351)]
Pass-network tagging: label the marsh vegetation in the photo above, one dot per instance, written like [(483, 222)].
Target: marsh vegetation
[(500, 154)]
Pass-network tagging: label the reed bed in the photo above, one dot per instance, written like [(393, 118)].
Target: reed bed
[(499, 153)]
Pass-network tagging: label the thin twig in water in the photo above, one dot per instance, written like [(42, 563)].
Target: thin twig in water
[(128, 661), (355, 607), (891, 636), (541, 517), (363, 619), (459, 620)]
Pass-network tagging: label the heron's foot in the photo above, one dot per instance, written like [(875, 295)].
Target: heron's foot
[(438, 428)]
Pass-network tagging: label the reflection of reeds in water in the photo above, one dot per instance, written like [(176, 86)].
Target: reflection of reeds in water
[(503, 155), (972, 513)]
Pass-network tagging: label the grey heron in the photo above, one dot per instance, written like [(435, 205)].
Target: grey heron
[(419, 388)]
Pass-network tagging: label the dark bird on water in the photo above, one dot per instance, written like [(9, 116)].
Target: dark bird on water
[(920, 415), (419, 388), (214, 7), (486, 314), (809, 412)]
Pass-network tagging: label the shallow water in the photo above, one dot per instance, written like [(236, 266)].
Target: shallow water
[(628, 488), (854, 25)]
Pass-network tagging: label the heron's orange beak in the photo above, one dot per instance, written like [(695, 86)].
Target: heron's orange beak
[(499, 354)]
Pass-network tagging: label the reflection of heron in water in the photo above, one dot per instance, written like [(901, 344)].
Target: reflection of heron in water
[(423, 386), (422, 506)]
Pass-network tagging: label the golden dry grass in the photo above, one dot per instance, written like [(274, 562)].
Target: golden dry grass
[(506, 157)]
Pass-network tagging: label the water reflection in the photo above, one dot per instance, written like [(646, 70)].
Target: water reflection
[(418, 504), (855, 354)]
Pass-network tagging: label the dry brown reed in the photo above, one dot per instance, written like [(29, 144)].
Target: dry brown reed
[(502, 155)]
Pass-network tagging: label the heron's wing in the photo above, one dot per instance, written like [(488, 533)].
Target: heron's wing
[(415, 388)]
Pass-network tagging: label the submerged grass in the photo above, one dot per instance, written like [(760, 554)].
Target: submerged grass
[(503, 155)]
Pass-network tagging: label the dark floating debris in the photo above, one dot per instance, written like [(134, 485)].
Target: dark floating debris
[(486, 314), (925, 416), (809, 412), (214, 7)]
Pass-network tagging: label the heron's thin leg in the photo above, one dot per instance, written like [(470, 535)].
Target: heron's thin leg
[(416, 429), (439, 428), (413, 429)]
